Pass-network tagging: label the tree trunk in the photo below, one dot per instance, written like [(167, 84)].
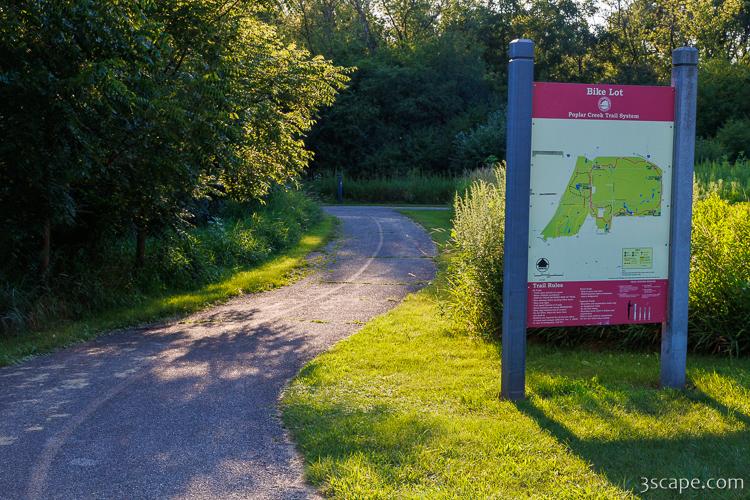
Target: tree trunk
[(140, 247), (46, 245), (362, 15), (306, 27)]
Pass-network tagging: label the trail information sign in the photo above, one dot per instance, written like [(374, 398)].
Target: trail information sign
[(598, 208), (600, 197)]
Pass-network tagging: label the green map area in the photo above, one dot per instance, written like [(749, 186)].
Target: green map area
[(604, 188)]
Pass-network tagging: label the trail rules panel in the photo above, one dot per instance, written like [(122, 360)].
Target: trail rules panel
[(601, 177)]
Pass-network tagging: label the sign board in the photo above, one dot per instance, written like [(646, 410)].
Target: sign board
[(599, 209)]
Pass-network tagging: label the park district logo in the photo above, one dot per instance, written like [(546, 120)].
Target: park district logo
[(604, 104)]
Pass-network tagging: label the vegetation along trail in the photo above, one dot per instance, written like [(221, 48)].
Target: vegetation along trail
[(189, 409)]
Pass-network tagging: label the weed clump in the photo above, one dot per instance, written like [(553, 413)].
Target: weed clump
[(475, 272)]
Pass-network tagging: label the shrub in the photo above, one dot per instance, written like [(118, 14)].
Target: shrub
[(471, 149), (734, 136), (475, 272)]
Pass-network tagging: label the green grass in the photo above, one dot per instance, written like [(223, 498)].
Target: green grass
[(436, 222), (275, 272), (409, 408)]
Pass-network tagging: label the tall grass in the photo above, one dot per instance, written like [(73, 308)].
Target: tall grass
[(730, 181), (475, 271), (414, 188), (720, 277)]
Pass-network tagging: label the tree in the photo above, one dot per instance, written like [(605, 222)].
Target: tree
[(118, 115), (47, 77), (641, 35), (563, 38), (277, 89)]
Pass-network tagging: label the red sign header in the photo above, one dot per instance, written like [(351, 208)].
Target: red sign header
[(583, 101)]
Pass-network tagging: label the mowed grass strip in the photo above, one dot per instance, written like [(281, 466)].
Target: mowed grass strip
[(435, 222), (275, 272), (409, 408)]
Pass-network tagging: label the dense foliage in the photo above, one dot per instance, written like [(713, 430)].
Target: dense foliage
[(132, 122), (235, 237), (122, 116), (135, 119), (719, 279), (429, 91), (402, 115)]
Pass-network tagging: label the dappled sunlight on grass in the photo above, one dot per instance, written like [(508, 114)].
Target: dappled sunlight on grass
[(590, 411), (627, 430), (727, 385), (409, 407)]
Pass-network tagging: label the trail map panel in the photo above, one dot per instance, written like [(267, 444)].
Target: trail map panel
[(601, 176)]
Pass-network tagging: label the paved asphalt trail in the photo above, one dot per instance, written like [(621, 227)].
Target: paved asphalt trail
[(189, 409)]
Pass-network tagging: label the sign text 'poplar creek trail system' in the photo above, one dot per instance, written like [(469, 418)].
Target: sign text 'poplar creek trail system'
[(598, 209), (600, 196)]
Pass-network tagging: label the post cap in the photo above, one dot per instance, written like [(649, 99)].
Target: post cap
[(685, 56), (521, 48)]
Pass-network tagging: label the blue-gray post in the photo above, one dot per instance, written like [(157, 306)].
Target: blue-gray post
[(517, 185), (340, 187), (674, 330)]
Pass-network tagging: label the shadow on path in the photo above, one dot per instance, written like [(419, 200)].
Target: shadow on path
[(188, 409)]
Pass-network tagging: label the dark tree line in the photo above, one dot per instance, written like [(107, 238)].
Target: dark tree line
[(429, 91)]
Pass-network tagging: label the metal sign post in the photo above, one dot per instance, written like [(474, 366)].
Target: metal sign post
[(518, 160), (674, 330), (340, 187)]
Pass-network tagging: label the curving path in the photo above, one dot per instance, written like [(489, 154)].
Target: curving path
[(189, 409)]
